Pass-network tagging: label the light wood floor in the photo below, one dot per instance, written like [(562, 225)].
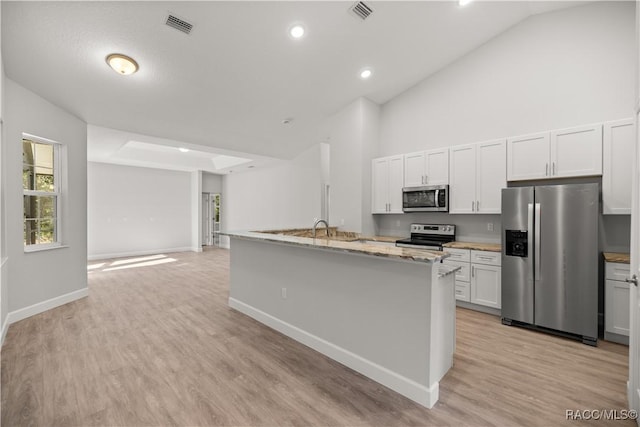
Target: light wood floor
[(157, 345)]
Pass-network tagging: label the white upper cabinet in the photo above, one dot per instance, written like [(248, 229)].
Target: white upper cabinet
[(462, 179), (386, 184), (426, 168), (576, 151), (491, 175), (528, 156), (477, 177), (618, 149), (558, 154)]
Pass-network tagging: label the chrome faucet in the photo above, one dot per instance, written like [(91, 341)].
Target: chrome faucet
[(326, 224)]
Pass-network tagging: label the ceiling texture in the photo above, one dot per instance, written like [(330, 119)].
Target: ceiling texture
[(227, 86)]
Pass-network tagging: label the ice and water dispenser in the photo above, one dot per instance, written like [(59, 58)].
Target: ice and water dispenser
[(516, 243)]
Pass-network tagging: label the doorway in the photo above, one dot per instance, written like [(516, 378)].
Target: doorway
[(210, 219)]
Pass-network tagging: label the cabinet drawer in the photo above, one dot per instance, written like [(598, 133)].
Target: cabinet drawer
[(462, 275), (616, 271), (463, 292), (458, 254), (486, 257)]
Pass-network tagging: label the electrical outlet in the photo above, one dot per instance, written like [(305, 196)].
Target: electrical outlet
[(342, 221), (284, 293), (489, 226), (397, 223)]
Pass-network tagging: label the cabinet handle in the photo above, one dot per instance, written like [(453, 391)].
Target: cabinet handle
[(426, 179), (422, 179), (546, 169), (553, 168), (473, 271), (477, 205), (473, 206)]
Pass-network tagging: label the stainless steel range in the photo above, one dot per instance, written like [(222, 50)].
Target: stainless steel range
[(429, 236)]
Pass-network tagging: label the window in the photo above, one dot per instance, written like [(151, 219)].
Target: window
[(41, 192)]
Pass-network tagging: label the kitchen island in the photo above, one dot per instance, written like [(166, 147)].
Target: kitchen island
[(386, 312)]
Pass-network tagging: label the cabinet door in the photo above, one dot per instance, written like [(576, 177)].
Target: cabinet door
[(396, 182), (617, 163), (528, 157), (462, 179), (437, 167), (491, 175), (576, 151), (379, 185), (616, 311), (486, 286), (414, 169)]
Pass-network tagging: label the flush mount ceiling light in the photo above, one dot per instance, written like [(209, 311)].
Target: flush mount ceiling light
[(183, 150), (287, 121), (463, 3), (366, 73), (297, 31), (122, 64)]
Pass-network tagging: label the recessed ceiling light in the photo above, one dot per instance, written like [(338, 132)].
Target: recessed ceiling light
[(462, 3), (296, 31), (122, 64), (184, 150), (287, 121), (366, 73)]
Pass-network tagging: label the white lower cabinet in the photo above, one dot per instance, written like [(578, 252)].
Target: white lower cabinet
[(479, 279), (616, 303)]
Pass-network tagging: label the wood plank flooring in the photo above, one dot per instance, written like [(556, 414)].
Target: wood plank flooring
[(155, 344)]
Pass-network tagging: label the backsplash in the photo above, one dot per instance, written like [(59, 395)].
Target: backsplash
[(614, 230), (474, 228)]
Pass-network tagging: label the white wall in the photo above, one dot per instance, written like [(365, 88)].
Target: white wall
[(555, 70), (286, 195), (133, 210), (211, 183), (353, 137), (560, 69), (40, 276)]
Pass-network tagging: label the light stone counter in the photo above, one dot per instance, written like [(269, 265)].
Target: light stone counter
[(356, 246), (491, 247), (618, 257)]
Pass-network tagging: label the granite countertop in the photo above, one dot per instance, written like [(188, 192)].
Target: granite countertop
[(619, 257), (359, 246), (491, 247)]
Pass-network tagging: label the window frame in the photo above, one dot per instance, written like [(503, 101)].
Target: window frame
[(58, 191)]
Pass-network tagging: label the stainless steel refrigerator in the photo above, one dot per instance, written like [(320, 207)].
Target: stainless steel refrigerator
[(550, 259)]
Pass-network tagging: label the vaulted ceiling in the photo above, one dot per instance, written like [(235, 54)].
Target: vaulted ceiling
[(229, 84)]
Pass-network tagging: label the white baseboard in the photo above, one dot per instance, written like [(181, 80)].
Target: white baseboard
[(426, 396), (95, 257), (5, 328), (198, 249), (43, 306)]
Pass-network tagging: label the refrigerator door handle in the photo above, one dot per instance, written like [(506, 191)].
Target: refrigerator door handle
[(536, 259)]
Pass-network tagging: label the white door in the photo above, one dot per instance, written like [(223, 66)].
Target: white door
[(491, 175), (576, 151), (633, 392), (380, 185), (528, 157), (462, 179), (396, 182), (414, 169), (437, 169), (486, 285)]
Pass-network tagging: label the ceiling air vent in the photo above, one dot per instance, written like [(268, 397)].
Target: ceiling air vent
[(179, 24), (361, 10)]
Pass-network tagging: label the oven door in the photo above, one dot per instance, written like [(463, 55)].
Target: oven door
[(425, 199)]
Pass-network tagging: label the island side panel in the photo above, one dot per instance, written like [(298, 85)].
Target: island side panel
[(443, 318), (376, 309)]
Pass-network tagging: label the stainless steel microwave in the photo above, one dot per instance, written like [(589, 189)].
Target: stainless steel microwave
[(431, 198)]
